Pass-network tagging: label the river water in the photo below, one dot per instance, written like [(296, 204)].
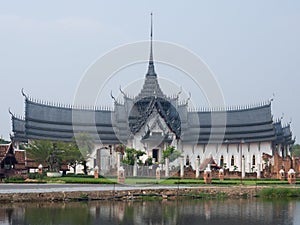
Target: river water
[(189, 212)]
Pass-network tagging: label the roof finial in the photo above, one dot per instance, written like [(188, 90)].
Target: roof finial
[(151, 39), (151, 71), (111, 95)]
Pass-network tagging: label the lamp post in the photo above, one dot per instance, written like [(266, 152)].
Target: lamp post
[(241, 159)]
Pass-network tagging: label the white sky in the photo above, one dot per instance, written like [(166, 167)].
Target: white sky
[(251, 46)]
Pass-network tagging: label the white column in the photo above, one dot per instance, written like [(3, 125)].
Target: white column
[(258, 171), (118, 160), (243, 167), (135, 168), (197, 168), (167, 167), (181, 166)]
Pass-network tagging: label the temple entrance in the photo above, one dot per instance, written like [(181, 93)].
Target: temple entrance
[(155, 155)]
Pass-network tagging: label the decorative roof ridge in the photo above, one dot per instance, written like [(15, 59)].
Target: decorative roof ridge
[(59, 105), (287, 126), (8, 144), (164, 97), (15, 116), (231, 108), (277, 120)]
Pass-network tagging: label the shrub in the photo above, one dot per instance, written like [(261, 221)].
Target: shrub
[(279, 192), (36, 176), (14, 179)]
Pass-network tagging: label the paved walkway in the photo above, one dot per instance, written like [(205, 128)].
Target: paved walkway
[(43, 188)]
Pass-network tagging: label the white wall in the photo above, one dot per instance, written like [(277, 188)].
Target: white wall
[(229, 150)]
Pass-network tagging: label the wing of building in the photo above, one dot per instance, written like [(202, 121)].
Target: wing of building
[(151, 121)]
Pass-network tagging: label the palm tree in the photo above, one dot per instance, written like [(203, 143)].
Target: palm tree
[(42, 152)]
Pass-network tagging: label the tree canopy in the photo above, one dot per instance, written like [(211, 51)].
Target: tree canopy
[(86, 146), (131, 154), (171, 153), (54, 153), (43, 152), (296, 150)]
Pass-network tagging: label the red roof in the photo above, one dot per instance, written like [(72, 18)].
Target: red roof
[(20, 157), (4, 149), (205, 163)]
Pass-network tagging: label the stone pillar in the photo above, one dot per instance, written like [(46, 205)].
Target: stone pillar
[(281, 174), (243, 167), (181, 166), (96, 172), (157, 173), (121, 175), (207, 175), (135, 168), (40, 169), (167, 167), (197, 167), (221, 174), (291, 176)]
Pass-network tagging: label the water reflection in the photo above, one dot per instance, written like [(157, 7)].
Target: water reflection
[(227, 212)]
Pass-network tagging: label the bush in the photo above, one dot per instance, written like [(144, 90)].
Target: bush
[(37, 176), (81, 175), (82, 180), (14, 179), (279, 192)]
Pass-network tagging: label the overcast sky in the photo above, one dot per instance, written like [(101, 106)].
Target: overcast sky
[(252, 47)]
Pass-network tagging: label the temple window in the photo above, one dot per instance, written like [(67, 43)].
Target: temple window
[(232, 161), (253, 160), (221, 161)]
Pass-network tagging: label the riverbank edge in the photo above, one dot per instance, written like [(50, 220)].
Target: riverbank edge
[(149, 193)]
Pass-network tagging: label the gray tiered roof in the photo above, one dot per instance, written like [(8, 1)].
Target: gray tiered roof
[(18, 127), (55, 123), (283, 133), (248, 125)]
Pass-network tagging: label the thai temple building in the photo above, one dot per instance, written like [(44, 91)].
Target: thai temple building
[(151, 121)]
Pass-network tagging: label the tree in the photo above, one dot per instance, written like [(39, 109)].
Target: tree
[(42, 152), (171, 153), (86, 146), (54, 153), (149, 161), (39, 151), (131, 154), (2, 141), (296, 150), (71, 154)]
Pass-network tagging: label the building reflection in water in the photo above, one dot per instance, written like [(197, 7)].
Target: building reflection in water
[(225, 212)]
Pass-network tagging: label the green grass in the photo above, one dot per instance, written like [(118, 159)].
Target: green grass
[(80, 180), (279, 192)]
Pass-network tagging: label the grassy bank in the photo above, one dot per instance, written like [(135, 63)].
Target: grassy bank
[(82, 179), (279, 193)]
